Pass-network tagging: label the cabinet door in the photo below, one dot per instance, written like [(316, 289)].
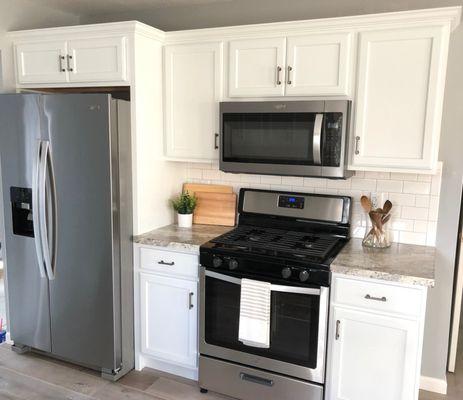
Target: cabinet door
[(193, 90), (318, 65), (257, 67), (168, 310), (372, 357), (401, 77), (41, 62), (97, 60)]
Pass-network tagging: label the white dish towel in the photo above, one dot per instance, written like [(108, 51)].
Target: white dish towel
[(254, 329)]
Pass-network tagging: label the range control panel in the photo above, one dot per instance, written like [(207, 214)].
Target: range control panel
[(291, 202)]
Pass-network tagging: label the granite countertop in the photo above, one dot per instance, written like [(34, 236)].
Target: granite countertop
[(402, 263), (183, 239)]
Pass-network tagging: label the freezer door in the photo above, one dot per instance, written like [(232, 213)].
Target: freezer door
[(21, 131), (84, 283)]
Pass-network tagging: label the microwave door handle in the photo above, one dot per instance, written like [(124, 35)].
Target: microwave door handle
[(317, 139), (274, 288)]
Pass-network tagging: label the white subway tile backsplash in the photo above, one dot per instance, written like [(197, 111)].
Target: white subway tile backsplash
[(421, 226), (315, 182), (292, 180), (404, 177), (270, 179), (249, 178), (389, 186), (376, 175), (422, 200), (417, 187), (338, 183), (412, 238), (415, 198), (402, 199), (417, 213), (195, 173), (364, 184)]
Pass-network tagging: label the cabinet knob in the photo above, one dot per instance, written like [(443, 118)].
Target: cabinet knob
[(216, 144)]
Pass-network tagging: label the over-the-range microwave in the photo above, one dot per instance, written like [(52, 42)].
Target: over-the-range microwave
[(296, 138)]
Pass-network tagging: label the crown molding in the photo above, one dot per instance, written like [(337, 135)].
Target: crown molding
[(444, 15)]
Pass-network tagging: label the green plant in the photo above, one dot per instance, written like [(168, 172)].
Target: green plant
[(184, 203)]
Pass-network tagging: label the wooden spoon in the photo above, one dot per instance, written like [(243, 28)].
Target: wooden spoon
[(366, 203), (387, 207)]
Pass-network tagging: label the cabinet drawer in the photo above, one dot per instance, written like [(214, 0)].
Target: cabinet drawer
[(169, 262), (377, 297)]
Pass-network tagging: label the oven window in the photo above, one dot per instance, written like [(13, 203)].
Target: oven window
[(293, 324), (278, 138)]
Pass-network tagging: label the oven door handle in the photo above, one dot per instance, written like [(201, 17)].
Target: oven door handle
[(317, 139), (274, 288)]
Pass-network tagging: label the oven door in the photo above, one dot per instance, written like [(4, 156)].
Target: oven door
[(298, 327)]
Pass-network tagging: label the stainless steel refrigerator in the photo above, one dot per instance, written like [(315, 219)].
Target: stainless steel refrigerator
[(67, 210)]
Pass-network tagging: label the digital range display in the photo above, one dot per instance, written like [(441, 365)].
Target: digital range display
[(291, 202)]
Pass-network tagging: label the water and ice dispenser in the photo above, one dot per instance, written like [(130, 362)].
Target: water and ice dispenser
[(21, 209)]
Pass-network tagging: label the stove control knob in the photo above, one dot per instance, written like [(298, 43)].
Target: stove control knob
[(286, 272), (232, 264), (304, 275), (217, 262)]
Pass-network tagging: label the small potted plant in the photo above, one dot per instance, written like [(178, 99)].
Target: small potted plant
[(184, 204)]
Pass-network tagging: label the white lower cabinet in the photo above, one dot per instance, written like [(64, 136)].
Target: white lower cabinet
[(374, 350), (167, 312), (168, 330)]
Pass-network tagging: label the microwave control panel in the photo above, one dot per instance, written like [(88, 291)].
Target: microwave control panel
[(291, 202)]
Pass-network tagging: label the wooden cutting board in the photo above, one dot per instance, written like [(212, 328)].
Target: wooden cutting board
[(215, 209), (192, 188)]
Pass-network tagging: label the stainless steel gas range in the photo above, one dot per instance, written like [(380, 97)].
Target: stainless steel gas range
[(288, 240)]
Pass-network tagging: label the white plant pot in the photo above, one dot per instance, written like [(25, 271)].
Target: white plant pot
[(185, 220)]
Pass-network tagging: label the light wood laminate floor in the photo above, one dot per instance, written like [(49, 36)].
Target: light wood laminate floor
[(33, 377)]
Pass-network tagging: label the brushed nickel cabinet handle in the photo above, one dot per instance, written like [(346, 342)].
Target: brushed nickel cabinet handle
[(61, 66), (368, 297), (278, 75), (190, 300), (70, 66), (162, 262), (357, 140), (216, 145), (289, 75), (338, 324)]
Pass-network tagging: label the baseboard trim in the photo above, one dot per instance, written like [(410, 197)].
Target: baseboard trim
[(433, 384)]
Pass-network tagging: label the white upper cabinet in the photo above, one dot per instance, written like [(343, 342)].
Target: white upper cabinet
[(310, 65), (74, 56), (41, 62), (193, 90), (401, 78), (318, 65), (256, 67), (99, 59)]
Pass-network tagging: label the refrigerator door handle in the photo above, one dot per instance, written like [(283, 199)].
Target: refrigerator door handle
[(52, 228), (36, 209), (44, 228)]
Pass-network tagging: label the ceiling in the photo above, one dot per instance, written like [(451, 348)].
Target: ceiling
[(84, 7)]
